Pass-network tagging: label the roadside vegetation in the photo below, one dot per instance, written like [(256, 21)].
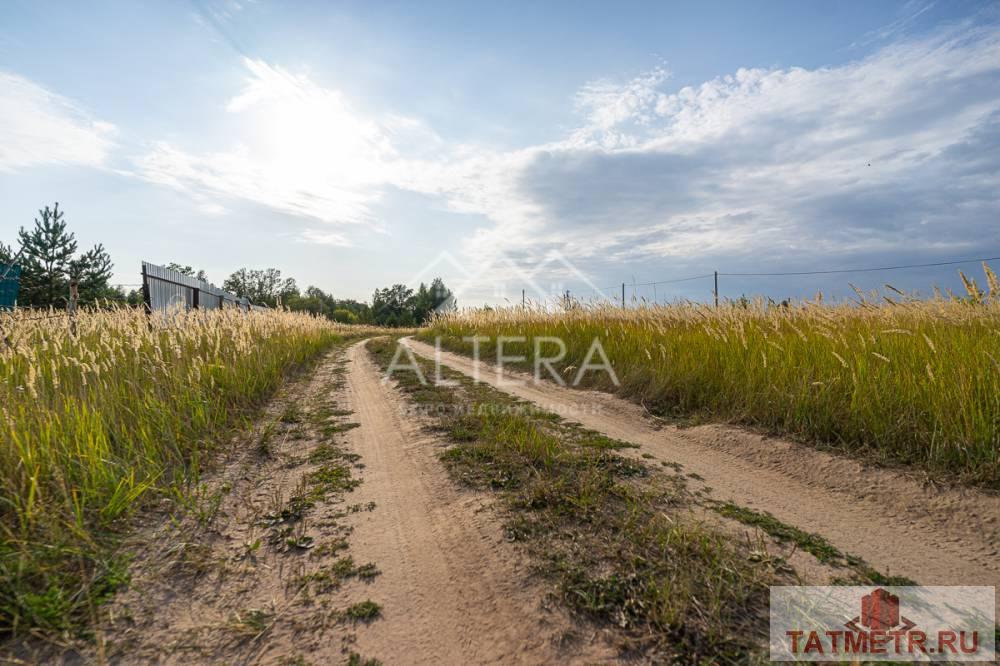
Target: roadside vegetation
[(896, 379), (97, 420)]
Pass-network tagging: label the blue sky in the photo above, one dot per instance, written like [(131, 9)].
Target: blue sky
[(544, 145)]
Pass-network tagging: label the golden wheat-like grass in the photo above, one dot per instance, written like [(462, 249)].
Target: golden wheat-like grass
[(902, 380), (93, 421)]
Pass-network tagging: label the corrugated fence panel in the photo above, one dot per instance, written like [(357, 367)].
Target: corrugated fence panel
[(168, 296), (210, 301), (169, 290)]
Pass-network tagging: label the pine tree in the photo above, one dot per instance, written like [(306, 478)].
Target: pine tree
[(92, 270), (48, 264), (441, 296), (422, 303), (45, 263)]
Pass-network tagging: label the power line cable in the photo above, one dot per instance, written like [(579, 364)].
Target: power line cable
[(793, 273), (864, 270), (685, 279)]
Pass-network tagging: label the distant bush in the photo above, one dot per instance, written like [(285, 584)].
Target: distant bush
[(343, 316)]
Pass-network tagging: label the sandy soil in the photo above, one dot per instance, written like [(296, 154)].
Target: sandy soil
[(452, 589), (900, 525)]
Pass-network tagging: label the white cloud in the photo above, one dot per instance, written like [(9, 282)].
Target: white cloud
[(213, 209), (308, 153), (612, 109), (773, 161), (324, 237), (761, 162), (40, 127)]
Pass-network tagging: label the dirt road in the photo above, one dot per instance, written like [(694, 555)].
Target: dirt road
[(235, 581), (453, 591), (896, 523), (227, 584)]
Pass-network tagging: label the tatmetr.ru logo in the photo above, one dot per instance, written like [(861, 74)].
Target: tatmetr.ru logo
[(895, 624), (879, 611)]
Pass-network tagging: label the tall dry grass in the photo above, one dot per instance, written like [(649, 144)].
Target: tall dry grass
[(899, 379), (92, 422)]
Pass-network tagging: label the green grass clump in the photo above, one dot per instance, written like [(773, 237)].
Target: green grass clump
[(93, 422), (859, 573), (332, 577), (815, 545), (898, 380), (364, 611)]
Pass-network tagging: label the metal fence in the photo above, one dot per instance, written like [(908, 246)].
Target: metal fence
[(10, 282), (164, 290)]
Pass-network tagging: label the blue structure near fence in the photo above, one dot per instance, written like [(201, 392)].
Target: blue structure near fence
[(10, 283)]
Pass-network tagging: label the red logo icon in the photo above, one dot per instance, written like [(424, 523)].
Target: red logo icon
[(880, 612)]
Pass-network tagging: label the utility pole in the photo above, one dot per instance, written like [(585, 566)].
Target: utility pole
[(147, 296), (717, 289), (623, 295), (522, 298), (74, 296)]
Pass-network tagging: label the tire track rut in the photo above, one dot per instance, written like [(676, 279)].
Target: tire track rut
[(452, 590)]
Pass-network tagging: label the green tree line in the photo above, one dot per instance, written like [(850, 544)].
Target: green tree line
[(397, 305), (50, 259)]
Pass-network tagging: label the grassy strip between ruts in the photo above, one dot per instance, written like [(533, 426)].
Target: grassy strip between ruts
[(612, 533), (97, 419), (857, 571)]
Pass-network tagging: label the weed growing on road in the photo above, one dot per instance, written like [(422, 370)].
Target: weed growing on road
[(333, 576), (860, 572), (251, 622), (363, 611), (356, 659)]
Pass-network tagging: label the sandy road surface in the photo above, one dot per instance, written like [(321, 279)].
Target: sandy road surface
[(899, 525), (452, 590)]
